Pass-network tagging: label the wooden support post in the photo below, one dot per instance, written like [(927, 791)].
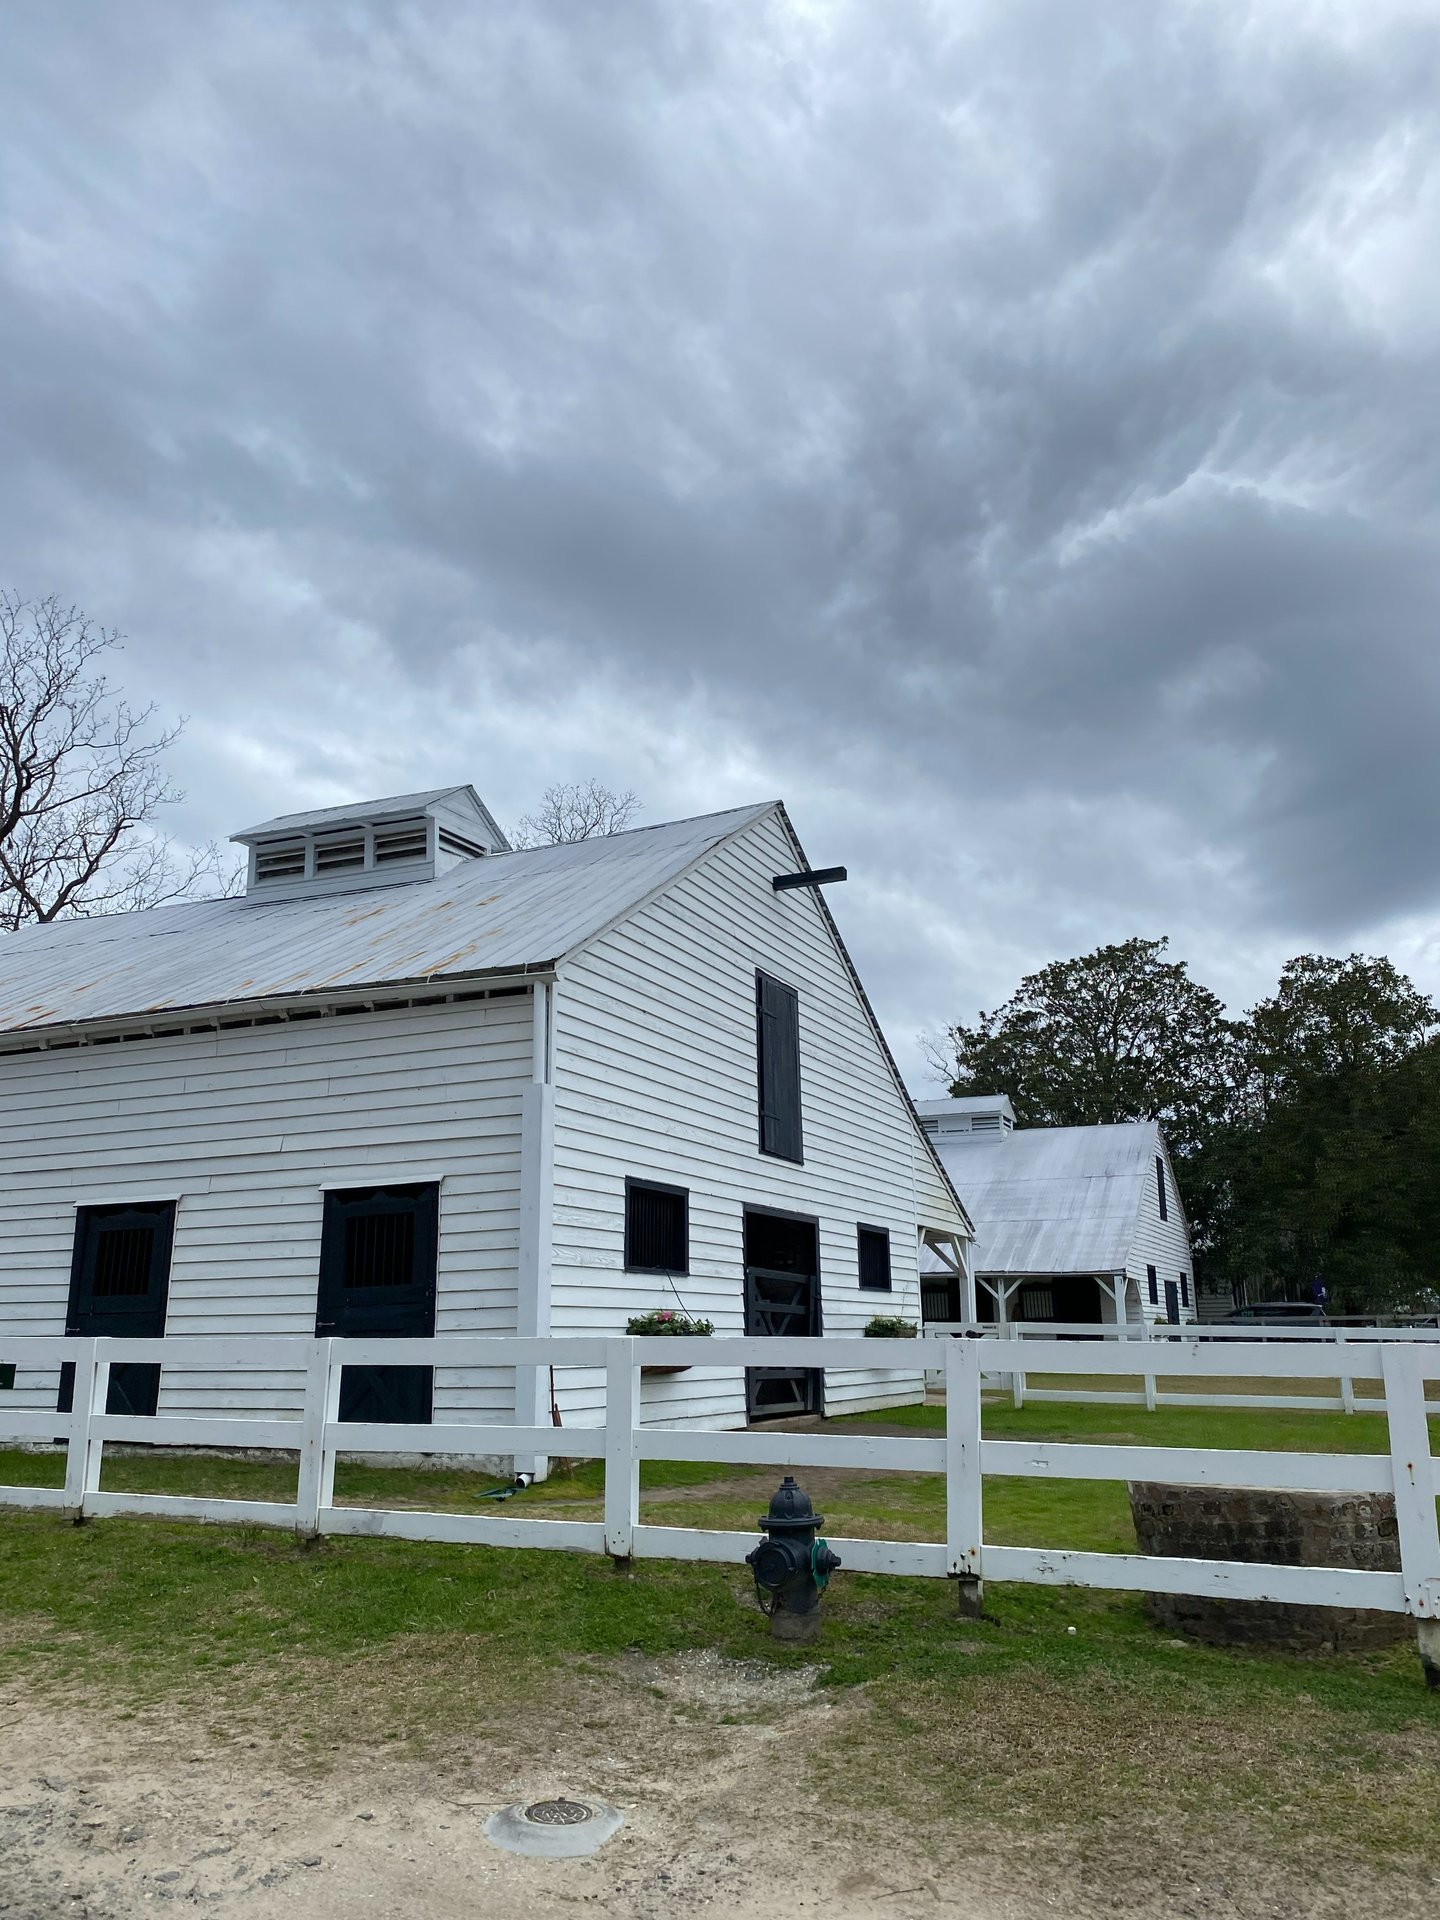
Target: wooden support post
[(1148, 1336), (85, 1452), (1402, 1368), (316, 1491), (622, 1464), (1347, 1385), (964, 1487)]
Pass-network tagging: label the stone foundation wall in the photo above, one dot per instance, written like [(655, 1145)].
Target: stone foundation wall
[(1283, 1529)]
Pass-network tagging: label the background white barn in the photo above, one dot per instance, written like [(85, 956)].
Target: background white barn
[(1071, 1223), (401, 1003)]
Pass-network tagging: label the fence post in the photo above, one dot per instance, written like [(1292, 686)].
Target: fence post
[(964, 1520), (622, 1463), (1347, 1385), (85, 1452), (1017, 1380), (1401, 1367), (1148, 1336), (316, 1489)]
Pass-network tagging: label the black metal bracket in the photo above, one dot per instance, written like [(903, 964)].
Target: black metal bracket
[(814, 877)]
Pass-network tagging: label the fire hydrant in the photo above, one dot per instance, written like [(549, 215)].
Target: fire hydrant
[(792, 1565)]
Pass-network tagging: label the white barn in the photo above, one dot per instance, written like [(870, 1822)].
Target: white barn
[(415, 1082), (1071, 1223)]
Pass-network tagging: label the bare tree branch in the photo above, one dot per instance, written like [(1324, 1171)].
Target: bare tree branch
[(81, 781), (575, 810)]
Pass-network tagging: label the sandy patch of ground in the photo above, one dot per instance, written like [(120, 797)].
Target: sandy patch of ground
[(104, 1818)]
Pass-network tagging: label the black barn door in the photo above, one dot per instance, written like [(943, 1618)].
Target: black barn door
[(119, 1287), (377, 1281), (782, 1300)]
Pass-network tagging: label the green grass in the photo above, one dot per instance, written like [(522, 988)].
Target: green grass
[(425, 1643), (1018, 1512)]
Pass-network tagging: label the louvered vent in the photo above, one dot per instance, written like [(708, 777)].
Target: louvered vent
[(461, 848), (336, 852), (405, 840), (280, 860)]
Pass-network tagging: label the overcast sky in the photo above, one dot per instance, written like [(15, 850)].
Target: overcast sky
[(1008, 433)]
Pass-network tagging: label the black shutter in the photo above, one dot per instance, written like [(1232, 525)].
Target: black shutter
[(657, 1228), (777, 1026), (1154, 1286), (874, 1259), (1160, 1187), (1184, 1289)]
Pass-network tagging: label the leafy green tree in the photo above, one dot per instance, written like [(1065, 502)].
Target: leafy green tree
[(1326, 1165), (1118, 1034)]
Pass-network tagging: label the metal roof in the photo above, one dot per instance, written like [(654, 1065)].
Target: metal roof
[(503, 913), (357, 810), (1054, 1199)]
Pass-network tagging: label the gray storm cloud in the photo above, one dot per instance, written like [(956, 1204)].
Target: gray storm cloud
[(1009, 432)]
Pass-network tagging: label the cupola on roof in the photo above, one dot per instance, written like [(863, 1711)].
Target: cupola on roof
[(369, 843), (981, 1116)]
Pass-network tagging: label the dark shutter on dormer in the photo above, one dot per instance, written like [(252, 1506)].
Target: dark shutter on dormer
[(777, 1032)]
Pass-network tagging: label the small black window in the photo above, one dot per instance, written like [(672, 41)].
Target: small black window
[(377, 1281), (657, 1228), (777, 1038), (1160, 1187), (119, 1286), (1152, 1282), (379, 1250), (377, 1263), (874, 1258), (1184, 1289), (7, 1376)]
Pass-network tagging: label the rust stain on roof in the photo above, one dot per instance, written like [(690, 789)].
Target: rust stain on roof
[(439, 966), (327, 979)]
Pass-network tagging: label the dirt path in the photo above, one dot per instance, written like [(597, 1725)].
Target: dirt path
[(104, 1818), (99, 1821)]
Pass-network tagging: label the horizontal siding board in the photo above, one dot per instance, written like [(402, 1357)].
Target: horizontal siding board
[(247, 1126), (656, 1078)]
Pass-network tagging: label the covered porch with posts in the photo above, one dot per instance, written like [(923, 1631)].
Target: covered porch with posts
[(999, 1299)]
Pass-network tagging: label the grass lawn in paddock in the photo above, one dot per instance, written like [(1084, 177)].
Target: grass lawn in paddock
[(1052, 1714)]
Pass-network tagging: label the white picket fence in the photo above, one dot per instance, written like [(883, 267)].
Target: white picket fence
[(1155, 1344), (959, 1453)]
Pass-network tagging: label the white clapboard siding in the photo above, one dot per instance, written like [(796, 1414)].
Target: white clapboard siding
[(245, 1127), (656, 1079), (1163, 1244)]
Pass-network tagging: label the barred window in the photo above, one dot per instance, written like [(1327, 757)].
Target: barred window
[(657, 1228)]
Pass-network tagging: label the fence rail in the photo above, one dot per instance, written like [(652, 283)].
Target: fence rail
[(1400, 1368), (1154, 1345)]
